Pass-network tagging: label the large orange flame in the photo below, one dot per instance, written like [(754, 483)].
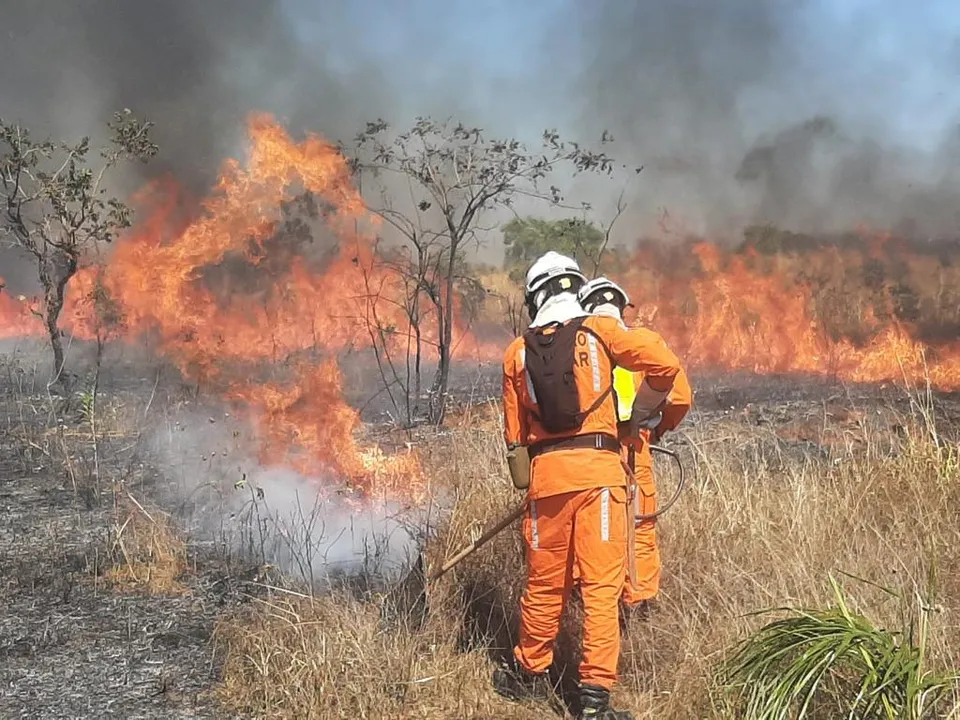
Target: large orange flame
[(230, 331), (824, 311), (208, 285)]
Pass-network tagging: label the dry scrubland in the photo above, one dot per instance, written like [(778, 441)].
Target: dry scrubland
[(758, 527), (852, 287), (780, 496)]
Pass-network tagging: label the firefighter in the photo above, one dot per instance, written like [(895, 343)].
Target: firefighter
[(560, 411), (602, 296)]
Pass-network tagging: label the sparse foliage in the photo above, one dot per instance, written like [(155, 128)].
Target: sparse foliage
[(402, 375), (56, 208), (452, 178)]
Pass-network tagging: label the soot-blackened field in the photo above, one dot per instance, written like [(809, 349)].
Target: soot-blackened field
[(110, 612), (79, 636)]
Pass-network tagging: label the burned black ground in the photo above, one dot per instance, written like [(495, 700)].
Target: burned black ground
[(70, 645)]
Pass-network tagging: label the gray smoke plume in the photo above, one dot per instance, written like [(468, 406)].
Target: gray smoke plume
[(195, 69), (18, 271), (771, 111), (809, 115)]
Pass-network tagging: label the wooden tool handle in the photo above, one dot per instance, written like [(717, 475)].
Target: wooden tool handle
[(482, 540)]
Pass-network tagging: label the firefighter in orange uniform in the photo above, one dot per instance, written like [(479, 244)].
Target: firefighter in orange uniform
[(560, 426), (602, 296)]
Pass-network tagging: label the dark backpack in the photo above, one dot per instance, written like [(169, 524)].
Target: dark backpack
[(551, 352)]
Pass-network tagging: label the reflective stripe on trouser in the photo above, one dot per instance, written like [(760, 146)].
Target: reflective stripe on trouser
[(586, 530), (647, 552)]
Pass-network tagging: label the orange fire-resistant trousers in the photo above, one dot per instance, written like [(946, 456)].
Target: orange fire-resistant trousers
[(583, 531), (646, 550)]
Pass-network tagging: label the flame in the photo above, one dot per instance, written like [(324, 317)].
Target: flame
[(222, 330), (17, 318), (824, 311), (271, 314), (306, 425), (225, 290)]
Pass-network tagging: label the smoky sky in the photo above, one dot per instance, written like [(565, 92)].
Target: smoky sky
[(196, 69), (813, 115), (193, 68)]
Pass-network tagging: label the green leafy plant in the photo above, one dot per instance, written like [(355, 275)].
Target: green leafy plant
[(87, 404), (835, 663)]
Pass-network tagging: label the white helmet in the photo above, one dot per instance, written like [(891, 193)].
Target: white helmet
[(550, 267), (601, 291)]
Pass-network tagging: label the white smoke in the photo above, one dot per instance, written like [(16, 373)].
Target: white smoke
[(311, 532), (310, 528)]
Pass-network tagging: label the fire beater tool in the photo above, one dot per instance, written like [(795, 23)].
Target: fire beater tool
[(488, 535)]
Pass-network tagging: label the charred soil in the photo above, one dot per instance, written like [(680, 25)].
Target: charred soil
[(106, 613)]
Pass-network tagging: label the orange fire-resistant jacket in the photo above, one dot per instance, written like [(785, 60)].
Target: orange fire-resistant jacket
[(561, 471)]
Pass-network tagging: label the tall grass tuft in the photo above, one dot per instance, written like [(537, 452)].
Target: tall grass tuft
[(836, 663)]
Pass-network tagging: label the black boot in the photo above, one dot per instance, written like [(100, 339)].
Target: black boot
[(514, 682), (595, 705)]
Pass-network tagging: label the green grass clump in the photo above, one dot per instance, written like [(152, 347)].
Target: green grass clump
[(835, 663)]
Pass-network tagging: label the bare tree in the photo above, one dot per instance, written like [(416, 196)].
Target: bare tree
[(452, 178), (607, 230), (399, 268), (56, 208)]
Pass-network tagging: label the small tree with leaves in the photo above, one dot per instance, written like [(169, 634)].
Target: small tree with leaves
[(526, 239), (55, 206), (451, 179)]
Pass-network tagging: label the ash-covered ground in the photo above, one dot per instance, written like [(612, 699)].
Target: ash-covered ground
[(71, 647), (74, 646)]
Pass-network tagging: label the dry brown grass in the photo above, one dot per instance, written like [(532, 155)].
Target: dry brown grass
[(760, 525), (148, 554), (332, 657)]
